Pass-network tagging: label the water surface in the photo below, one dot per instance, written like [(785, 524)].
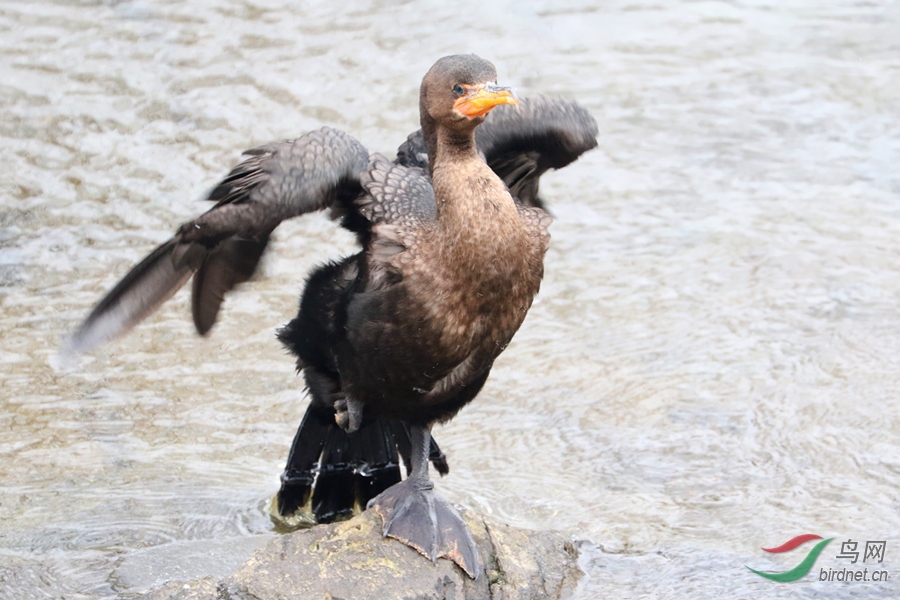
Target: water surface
[(713, 363)]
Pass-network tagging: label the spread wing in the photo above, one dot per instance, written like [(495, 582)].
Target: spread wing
[(522, 143), (223, 247)]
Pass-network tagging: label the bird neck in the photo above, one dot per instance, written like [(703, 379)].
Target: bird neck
[(466, 190), (457, 143), (453, 146)]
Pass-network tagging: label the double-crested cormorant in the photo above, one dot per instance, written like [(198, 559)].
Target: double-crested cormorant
[(403, 334)]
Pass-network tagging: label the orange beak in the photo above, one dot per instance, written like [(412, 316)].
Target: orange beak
[(484, 98)]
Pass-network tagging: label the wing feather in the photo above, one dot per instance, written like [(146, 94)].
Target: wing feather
[(223, 246)]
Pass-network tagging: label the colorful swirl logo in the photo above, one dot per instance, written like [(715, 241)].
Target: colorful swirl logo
[(805, 565)]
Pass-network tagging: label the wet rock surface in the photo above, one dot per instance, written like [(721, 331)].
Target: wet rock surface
[(351, 560)]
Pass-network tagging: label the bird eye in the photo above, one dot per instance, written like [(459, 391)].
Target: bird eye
[(458, 90)]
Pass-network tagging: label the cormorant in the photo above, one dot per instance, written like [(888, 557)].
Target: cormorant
[(403, 334)]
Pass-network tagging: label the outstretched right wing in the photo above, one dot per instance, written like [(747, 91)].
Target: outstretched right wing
[(223, 247), (522, 143)]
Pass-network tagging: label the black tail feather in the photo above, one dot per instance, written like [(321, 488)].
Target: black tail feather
[(379, 466), (303, 460), (401, 437), (333, 495), (330, 473), (438, 458)]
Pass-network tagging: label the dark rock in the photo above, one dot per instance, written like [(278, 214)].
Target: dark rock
[(351, 560)]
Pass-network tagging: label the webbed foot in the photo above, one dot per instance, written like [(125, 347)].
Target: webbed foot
[(418, 517)]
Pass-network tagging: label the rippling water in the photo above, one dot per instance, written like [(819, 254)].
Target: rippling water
[(713, 364)]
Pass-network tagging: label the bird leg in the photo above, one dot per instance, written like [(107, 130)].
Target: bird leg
[(415, 515), (348, 413)]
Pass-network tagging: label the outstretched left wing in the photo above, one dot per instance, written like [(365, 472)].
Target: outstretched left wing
[(223, 247)]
